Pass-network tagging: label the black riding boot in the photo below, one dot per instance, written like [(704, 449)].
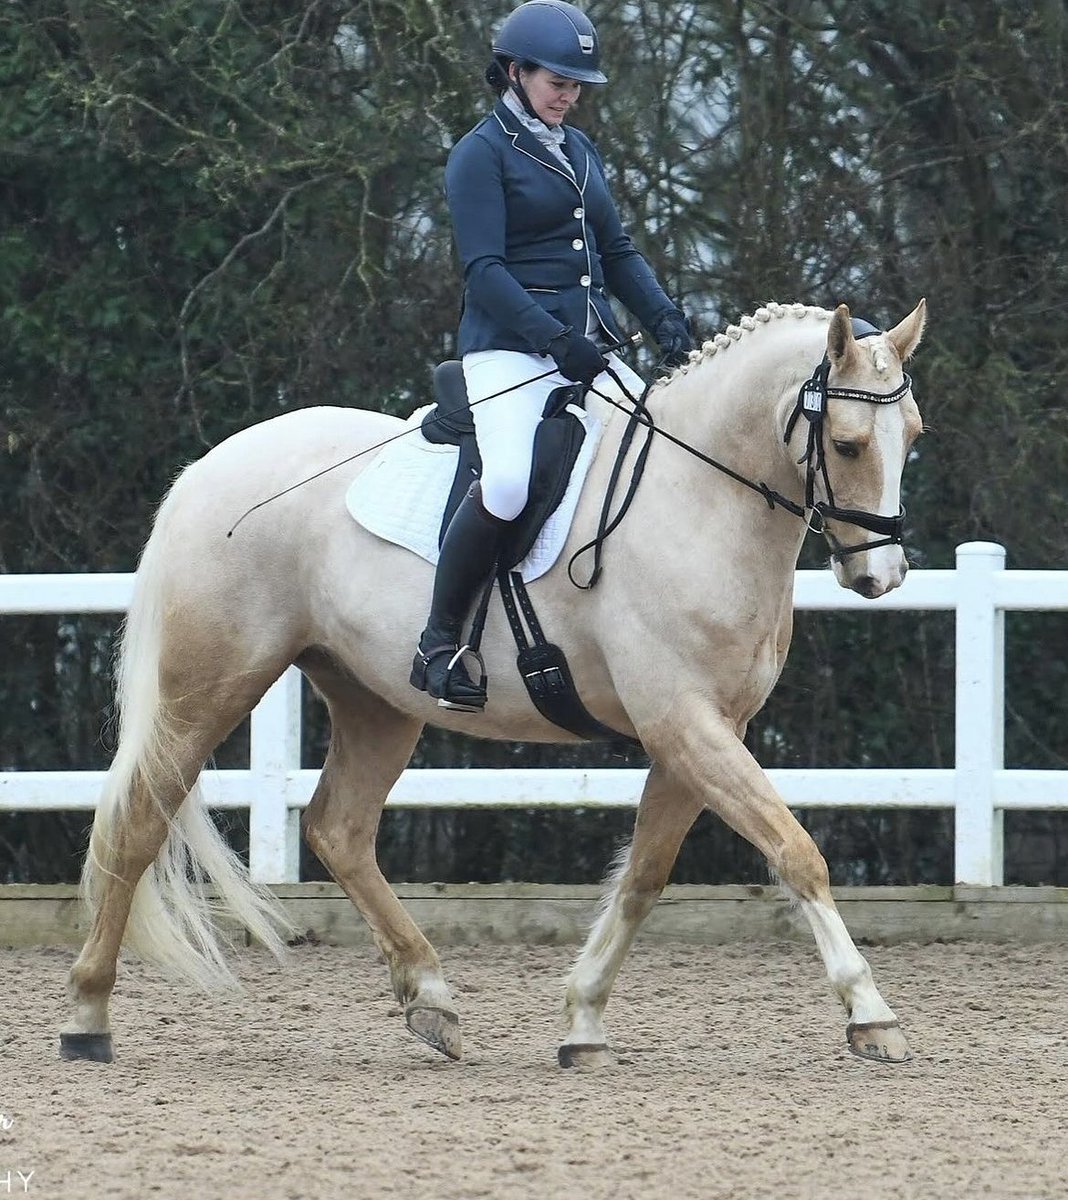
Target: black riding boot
[(468, 555)]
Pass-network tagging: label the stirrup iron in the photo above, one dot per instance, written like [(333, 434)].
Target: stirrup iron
[(475, 704), (421, 670)]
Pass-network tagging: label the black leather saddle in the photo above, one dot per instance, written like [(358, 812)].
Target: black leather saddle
[(557, 444)]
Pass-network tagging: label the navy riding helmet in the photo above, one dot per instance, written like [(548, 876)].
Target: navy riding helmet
[(555, 35)]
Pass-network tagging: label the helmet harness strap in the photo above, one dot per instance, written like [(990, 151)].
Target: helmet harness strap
[(516, 85)]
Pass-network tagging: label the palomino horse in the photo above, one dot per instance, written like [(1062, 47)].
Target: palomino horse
[(678, 646)]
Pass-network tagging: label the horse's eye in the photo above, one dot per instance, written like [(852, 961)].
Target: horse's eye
[(847, 449)]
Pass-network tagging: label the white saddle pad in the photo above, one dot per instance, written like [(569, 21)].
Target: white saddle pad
[(401, 496)]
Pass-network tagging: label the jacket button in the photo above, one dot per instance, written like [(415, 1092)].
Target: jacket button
[(585, 281), (579, 213), (576, 244)]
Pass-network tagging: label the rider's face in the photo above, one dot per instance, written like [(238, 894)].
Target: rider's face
[(551, 96)]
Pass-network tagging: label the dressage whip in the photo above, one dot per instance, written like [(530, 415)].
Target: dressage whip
[(634, 339)]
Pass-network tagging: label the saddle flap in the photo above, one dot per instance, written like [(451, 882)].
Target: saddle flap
[(557, 443)]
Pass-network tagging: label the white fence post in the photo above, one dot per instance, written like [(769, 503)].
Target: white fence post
[(980, 715), (273, 754)]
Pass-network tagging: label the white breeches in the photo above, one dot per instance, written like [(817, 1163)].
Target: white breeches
[(505, 426)]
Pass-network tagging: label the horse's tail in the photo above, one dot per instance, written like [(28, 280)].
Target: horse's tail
[(173, 920)]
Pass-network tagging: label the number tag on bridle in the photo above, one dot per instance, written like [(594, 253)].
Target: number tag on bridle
[(813, 399)]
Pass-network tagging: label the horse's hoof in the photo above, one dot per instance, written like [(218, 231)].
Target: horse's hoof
[(584, 1056), (438, 1027), (94, 1047), (881, 1041)]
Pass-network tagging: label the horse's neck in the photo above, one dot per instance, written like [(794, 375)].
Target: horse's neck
[(732, 408), (735, 403)]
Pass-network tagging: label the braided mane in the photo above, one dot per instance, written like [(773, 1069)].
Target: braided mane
[(766, 313)]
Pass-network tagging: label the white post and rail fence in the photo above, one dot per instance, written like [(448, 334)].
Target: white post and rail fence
[(977, 787)]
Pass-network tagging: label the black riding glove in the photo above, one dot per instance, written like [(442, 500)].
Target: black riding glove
[(673, 336), (577, 357)]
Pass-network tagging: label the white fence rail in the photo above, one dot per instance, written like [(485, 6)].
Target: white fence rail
[(977, 787)]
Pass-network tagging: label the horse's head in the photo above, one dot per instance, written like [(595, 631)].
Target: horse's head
[(869, 420)]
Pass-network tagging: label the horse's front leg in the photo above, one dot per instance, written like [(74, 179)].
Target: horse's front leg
[(665, 815), (704, 751)]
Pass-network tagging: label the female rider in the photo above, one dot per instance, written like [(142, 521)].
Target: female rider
[(541, 245)]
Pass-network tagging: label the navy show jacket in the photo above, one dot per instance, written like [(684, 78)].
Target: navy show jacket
[(537, 247)]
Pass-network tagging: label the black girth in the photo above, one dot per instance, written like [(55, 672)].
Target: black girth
[(545, 671)]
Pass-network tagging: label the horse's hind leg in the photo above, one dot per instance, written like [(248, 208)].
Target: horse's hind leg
[(370, 745), (665, 815), (121, 864), (153, 773)]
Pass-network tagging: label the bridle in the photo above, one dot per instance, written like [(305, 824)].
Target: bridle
[(812, 403)]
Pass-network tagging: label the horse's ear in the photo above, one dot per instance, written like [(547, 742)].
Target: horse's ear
[(841, 344), (905, 337)]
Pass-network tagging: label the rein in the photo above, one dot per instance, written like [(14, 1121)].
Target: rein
[(812, 403), (604, 525)]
